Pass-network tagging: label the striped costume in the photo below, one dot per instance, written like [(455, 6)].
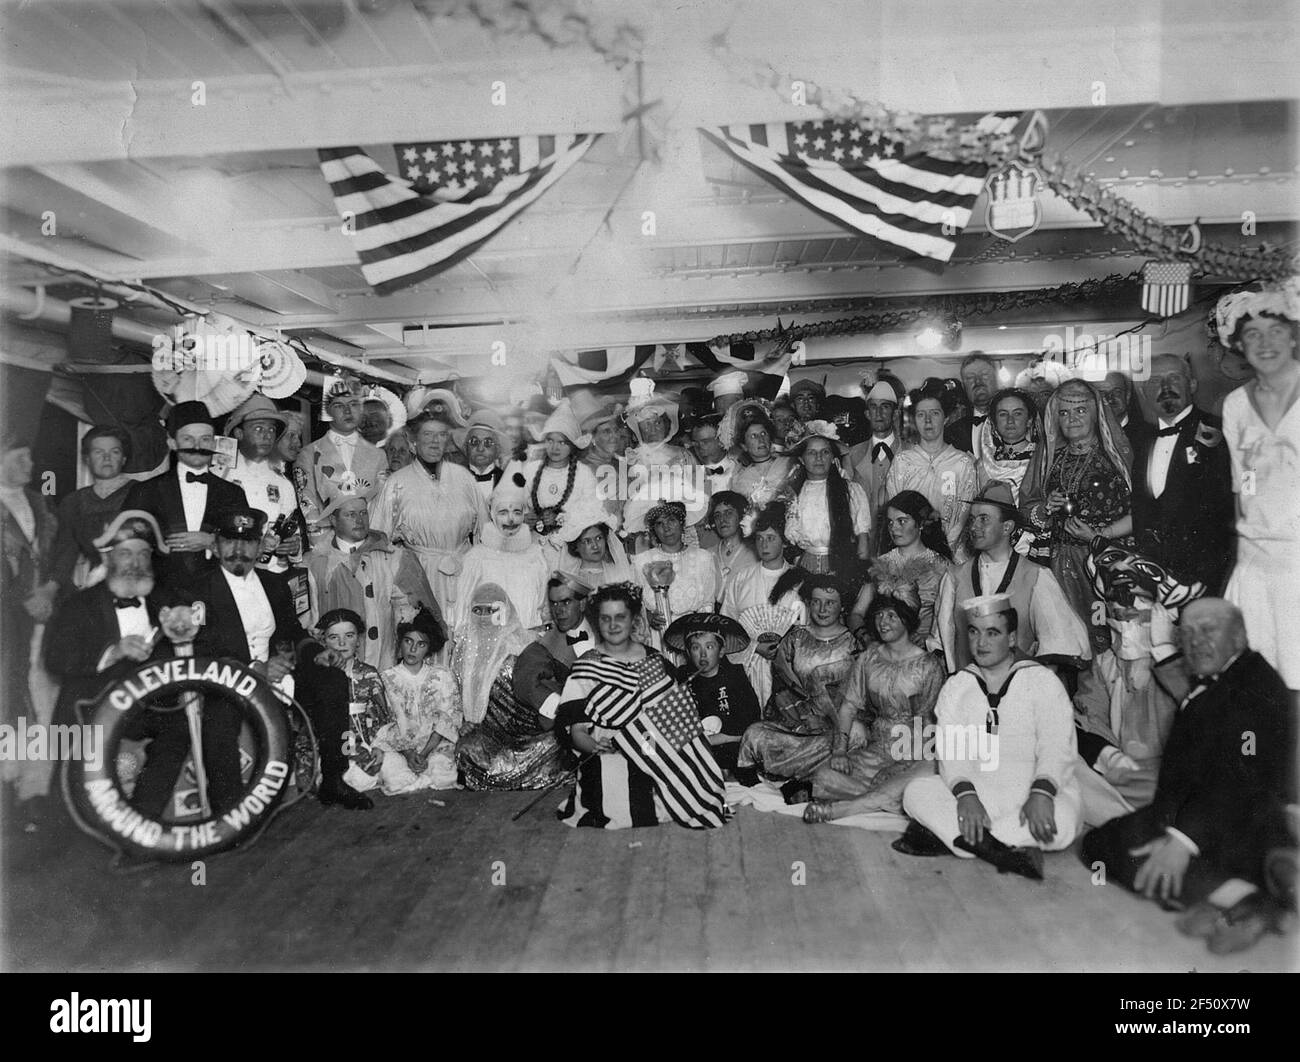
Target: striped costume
[(663, 770)]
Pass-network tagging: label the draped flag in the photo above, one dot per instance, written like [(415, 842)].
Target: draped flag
[(658, 730), (617, 365), (865, 179), (575, 368), (452, 198)]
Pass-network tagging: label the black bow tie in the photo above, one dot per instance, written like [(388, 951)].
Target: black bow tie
[(1173, 429), (978, 418), (483, 477), (574, 639), (127, 602), (196, 477), (717, 470), (881, 448)]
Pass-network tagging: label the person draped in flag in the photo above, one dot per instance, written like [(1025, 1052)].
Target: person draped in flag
[(645, 759)]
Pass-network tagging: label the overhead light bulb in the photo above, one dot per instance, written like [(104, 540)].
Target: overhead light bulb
[(928, 338)]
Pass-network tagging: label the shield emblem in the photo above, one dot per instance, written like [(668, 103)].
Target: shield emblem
[(1013, 210), (1166, 287)]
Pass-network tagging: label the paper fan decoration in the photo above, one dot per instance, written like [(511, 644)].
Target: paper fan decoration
[(767, 619), (218, 367), (283, 372)]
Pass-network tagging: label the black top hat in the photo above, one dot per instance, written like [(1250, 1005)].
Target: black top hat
[(184, 413)]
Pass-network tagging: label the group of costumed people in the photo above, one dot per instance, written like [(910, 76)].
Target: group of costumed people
[(787, 593)]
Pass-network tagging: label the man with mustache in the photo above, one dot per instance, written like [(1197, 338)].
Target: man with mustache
[(188, 499), (1182, 482), (979, 378)]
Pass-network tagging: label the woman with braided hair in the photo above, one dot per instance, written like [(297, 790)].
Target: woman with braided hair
[(558, 482), (830, 517)]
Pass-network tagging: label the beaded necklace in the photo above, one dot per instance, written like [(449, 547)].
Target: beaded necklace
[(568, 486)]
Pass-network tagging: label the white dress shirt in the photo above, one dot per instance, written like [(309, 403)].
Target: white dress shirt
[(346, 445), (254, 612), (267, 491), (1162, 452), (194, 496), (130, 621)]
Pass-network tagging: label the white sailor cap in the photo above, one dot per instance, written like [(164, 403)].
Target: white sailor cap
[(986, 605)]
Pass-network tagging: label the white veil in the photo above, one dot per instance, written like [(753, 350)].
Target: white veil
[(482, 645)]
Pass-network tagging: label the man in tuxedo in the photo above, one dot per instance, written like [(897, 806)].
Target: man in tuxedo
[(485, 445), (250, 617), (1182, 485), (188, 499), (1226, 778), (979, 378), (540, 670)]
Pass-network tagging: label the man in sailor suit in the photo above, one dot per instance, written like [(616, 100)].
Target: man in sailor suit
[(1006, 745)]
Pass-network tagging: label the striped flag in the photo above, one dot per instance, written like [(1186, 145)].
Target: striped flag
[(765, 377), (575, 368), (453, 197), (1166, 287), (866, 180)]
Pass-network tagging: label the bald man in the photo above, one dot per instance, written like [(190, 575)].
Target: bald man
[(1226, 779), (1182, 484)]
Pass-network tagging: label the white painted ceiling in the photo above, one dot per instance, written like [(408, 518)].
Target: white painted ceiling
[(223, 205)]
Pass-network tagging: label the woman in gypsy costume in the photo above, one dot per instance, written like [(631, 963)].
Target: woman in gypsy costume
[(764, 597), (419, 745), (1079, 486), (1008, 438), (503, 744), (368, 711), (507, 555), (558, 482), (830, 517), (914, 553), (888, 700), (645, 760)]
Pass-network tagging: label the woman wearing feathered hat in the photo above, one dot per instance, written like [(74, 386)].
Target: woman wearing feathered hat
[(1261, 423), (592, 550), (658, 471)]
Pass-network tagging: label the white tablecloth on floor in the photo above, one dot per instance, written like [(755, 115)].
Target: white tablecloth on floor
[(766, 797)]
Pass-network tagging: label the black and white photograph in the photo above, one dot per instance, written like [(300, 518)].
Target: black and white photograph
[(608, 486)]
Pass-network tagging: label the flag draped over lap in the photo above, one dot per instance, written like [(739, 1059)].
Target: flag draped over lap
[(866, 180), (452, 197), (657, 728)]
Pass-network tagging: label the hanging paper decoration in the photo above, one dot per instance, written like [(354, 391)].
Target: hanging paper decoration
[(283, 372), (216, 364), (1013, 209), (1166, 288)]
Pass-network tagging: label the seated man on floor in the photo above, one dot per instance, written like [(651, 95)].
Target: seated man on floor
[(1006, 747), (1226, 778)]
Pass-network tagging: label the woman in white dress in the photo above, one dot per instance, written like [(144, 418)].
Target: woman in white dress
[(676, 579), (506, 554), (592, 550), (830, 517), (1261, 422)]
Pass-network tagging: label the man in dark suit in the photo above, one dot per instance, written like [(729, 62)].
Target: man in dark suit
[(187, 500), (250, 617), (1182, 484), (1116, 390), (1226, 777), (979, 378)]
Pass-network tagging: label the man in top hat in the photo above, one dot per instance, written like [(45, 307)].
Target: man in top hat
[(811, 403), (486, 445), (723, 695), (727, 390), (1006, 746), (1183, 509), (340, 462), (542, 667), (188, 499), (256, 426), (1049, 629), (869, 461)]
